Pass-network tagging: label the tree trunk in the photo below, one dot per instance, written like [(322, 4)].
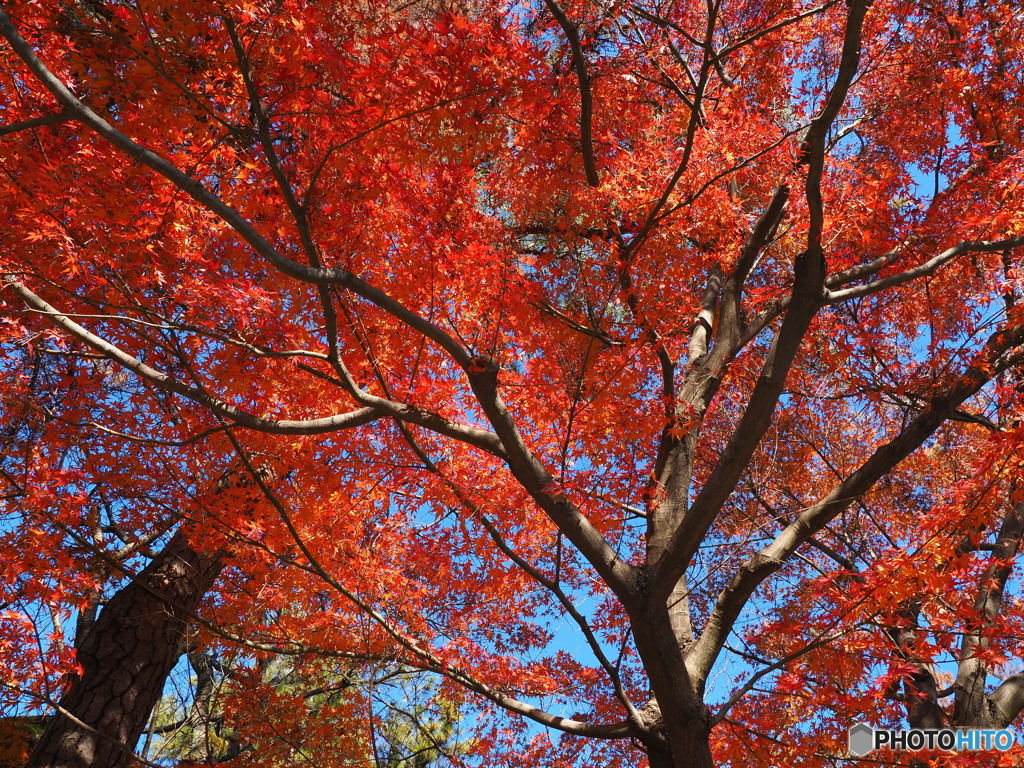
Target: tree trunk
[(126, 657), (689, 748), (679, 731), (690, 745)]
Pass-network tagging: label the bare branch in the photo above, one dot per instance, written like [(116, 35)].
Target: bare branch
[(163, 381), (743, 690), (586, 96), (411, 644), (657, 213), (922, 270), (377, 407), (815, 143), (586, 330), (532, 571), (755, 36), (36, 122)]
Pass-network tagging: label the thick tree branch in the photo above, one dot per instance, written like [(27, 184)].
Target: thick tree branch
[(197, 191), (1001, 352), (806, 299), (840, 559), (731, 324), (970, 703), (701, 335), (764, 230), (1008, 700), (586, 95), (921, 694), (815, 145), (620, 576), (922, 270), (377, 407), (35, 122), (689, 532)]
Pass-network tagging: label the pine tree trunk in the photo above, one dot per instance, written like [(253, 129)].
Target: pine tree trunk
[(126, 657)]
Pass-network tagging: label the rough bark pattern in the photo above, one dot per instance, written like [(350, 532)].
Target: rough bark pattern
[(125, 660), (678, 737)]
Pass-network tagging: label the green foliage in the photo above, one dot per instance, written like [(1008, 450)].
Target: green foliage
[(310, 713)]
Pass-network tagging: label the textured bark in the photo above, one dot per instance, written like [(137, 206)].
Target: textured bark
[(678, 730), (691, 748), (126, 658)]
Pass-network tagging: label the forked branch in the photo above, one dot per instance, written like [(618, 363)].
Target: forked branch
[(1002, 351)]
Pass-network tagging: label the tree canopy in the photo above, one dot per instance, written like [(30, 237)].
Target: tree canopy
[(647, 375)]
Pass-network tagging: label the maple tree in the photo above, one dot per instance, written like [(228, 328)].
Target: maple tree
[(415, 332)]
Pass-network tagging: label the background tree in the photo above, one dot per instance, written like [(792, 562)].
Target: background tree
[(683, 325), (313, 711)]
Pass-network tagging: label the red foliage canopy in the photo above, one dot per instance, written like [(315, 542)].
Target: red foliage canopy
[(692, 326)]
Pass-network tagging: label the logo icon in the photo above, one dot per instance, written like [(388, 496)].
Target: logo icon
[(861, 739)]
